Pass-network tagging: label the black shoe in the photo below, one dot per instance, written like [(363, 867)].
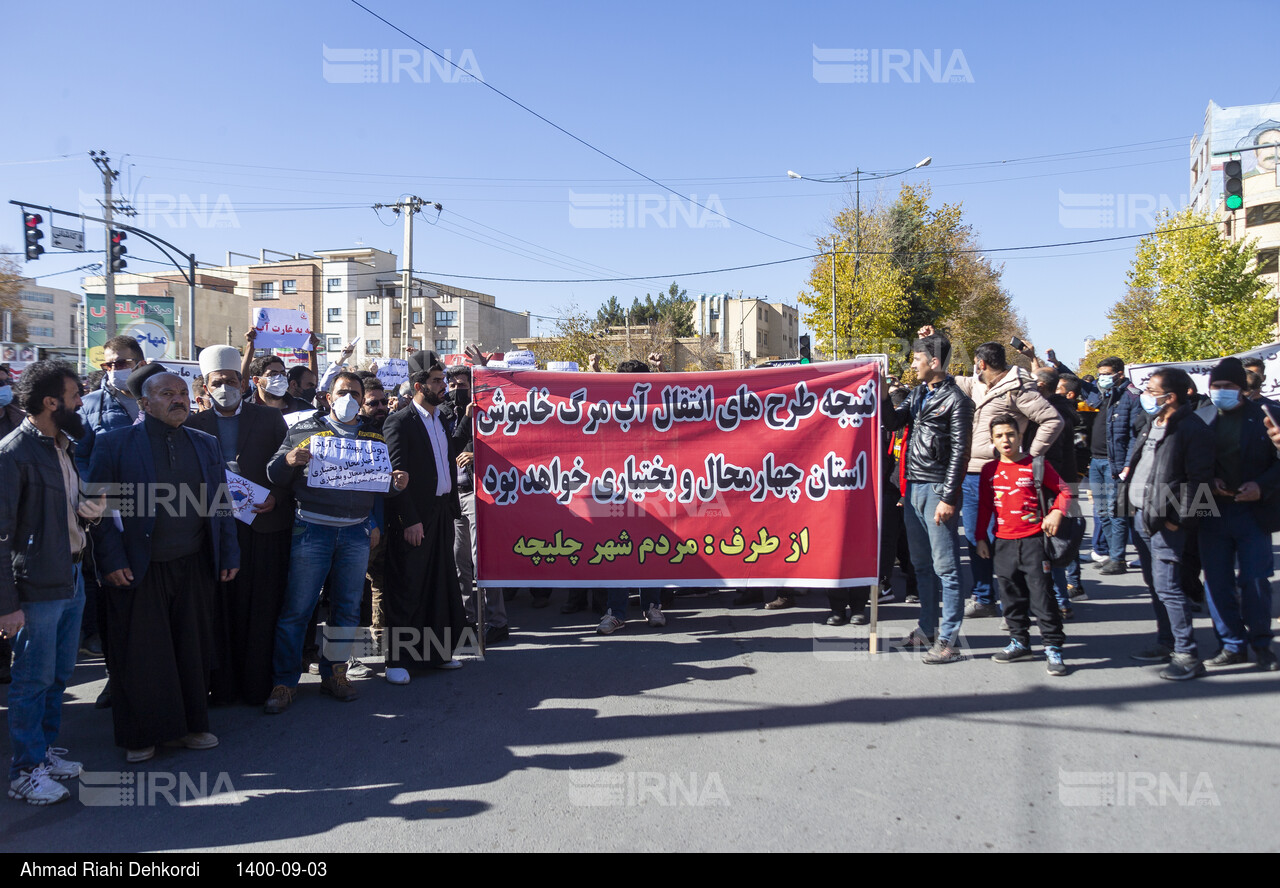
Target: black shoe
[(748, 596), (496, 635), (1266, 660), (1225, 657), (859, 619), (1183, 667), (1112, 568), (104, 699), (837, 620)]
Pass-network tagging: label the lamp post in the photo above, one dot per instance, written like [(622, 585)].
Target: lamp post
[(856, 175)]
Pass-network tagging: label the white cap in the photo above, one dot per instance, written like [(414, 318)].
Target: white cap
[(219, 357)]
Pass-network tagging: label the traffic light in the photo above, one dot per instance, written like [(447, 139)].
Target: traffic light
[(1233, 184), (118, 250), (804, 349), (31, 227)]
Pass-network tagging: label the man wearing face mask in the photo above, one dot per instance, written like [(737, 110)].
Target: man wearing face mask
[(330, 545), (271, 385), (302, 384), (1113, 431), (11, 415), (1166, 483), (1246, 487), (249, 435)]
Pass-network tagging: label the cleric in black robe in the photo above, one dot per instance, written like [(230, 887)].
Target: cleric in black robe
[(422, 599), (159, 567), (247, 607)]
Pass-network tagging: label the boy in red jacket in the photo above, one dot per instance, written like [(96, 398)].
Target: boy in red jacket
[(1006, 487)]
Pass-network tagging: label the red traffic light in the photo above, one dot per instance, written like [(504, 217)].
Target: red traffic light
[(32, 219)]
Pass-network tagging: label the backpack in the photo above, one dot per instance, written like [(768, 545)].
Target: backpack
[(1060, 549)]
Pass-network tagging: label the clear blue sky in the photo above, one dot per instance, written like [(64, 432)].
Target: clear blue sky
[(231, 104)]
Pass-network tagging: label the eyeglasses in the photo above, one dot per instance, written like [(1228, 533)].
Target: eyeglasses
[(381, 403), (118, 364)]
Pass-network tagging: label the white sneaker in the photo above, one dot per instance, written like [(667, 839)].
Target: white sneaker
[(36, 787), (1100, 559), (356, 669), (398, 676), (313, 668), (655, 616), (59, 768), (887, 595), (609, 624)]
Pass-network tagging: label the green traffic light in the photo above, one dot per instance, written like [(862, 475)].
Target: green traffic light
[(804, 360), (1234, 201)]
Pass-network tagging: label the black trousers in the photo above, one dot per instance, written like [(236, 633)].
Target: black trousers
[(1026, 587)]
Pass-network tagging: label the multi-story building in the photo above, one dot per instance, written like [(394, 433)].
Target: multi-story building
[(750, 328), (1241, 130), (53, 319)]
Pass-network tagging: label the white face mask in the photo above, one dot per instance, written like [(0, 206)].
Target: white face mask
[(117, 379), (277, 386), (345, 408), (225, 396)]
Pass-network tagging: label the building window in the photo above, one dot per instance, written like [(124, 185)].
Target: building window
[(46, 332), (335, 315), (1261, 214), (334, 343), (372, 318), (39, 315), (290, 287), (29, 296), (334, 285), (417, 317), (446, 319), (446, 346), (267, 290), (373, 346), (1267, 260)]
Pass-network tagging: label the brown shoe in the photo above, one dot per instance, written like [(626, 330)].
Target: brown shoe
[(782, 601), (338, 685), (281, 697)]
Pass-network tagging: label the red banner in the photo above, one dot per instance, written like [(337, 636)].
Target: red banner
[(751, 478)]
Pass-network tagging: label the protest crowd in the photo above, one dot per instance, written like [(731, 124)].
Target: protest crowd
[(294, 523)]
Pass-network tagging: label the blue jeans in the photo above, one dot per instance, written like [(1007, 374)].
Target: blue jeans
[(618, 601), (935, 553), (1161, 557), (1230, 539), (44, 656), (983, 586), (1115, 528), (322, 557)]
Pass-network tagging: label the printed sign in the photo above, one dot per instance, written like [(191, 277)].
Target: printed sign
[(282, 328), (1199, 370), (763, 477), (349, 464), (392, 372), (244, 496)]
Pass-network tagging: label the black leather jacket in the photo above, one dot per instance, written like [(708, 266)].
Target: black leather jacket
[(940, 432), (35, 543)]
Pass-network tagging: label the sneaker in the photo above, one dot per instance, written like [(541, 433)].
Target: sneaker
[(1077, 593), (912, 598), (886, 596), (1183, 667), (1266, 660), (135, 756), (942, 652), (1068, 613), (609, 624), (36, 787), (58, 767), (1012, 652), (978, 609), (1054, 664), (655, 616), (313, 668), (281, 697), (356, 669), (200, 740), (1225, 657), (398, 676), (338, 685), (916, 639), (1155, 654), (779, 603), (1113, 568), (1099, 558)]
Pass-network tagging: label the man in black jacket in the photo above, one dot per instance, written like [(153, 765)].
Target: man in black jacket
[(1246, 487), (1167, 483), (939, 418), (42, 546)]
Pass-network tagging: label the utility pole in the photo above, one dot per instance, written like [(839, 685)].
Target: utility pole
[(408, 207), (103, 163)]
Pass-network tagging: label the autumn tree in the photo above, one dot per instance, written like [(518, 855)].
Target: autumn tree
[(11, 279)]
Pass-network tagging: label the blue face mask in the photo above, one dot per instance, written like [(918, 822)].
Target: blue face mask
[(1105, 382), (6, 395), (1224, 399), (1150, 403)]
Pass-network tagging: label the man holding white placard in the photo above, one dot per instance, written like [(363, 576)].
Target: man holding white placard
[(331, 530)]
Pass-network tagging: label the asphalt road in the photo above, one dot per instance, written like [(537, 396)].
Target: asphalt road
[(730, 729)]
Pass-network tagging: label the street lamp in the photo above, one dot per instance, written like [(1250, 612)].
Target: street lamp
[(856, 175)]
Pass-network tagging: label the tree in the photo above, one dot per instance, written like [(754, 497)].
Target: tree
[(1192, 295), (10, 301)]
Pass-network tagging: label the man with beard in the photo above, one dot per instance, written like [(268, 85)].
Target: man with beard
[(249, 435), (41, 589), (422, 594), (159, 559), (10, 414)]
